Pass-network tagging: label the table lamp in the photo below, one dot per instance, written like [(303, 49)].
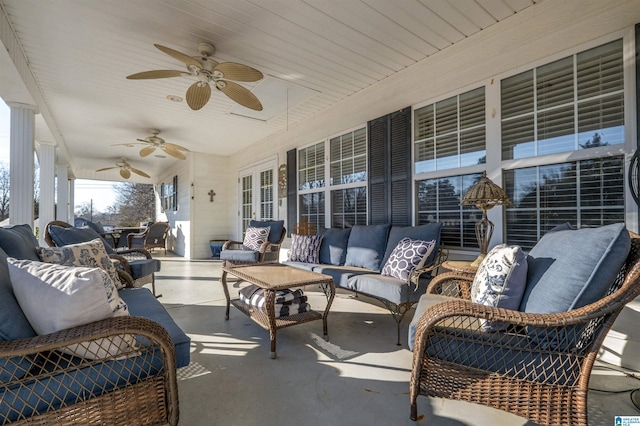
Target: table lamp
[(484, 195)]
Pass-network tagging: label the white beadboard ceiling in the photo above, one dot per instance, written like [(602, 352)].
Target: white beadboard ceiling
[(313, 53)]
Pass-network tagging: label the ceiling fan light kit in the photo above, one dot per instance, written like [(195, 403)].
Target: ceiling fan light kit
[(208, 72)]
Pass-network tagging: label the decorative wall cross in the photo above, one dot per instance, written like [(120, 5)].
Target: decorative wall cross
[(211, 194)]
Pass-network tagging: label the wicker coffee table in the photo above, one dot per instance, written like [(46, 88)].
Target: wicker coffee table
[(271, 278)]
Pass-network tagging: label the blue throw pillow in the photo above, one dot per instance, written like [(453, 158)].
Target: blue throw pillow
[(18, 241), (62, 236), (276, 228), (333, 248), (568, 269), (366, 246)]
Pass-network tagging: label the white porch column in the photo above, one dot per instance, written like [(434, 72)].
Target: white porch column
[(47, 161), (72, 199), (62, 206), (22, 133)]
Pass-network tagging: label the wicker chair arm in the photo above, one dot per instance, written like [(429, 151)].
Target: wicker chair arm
[(415, 275), (453, 284), (232, 245), (110, 327)]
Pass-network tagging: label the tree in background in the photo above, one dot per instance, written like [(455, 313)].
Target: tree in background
[(135, 203), (4, 191)]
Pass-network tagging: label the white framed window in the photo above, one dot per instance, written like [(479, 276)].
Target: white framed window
[(573, 105), (449, 136), (342, 198)]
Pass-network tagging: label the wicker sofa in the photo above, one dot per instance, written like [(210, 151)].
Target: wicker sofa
[(43, 378), (354, 258), (533, 360)]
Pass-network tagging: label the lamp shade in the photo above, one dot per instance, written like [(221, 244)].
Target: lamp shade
[(485, 193)]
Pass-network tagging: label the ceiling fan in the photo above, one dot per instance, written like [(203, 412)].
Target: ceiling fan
[(125, 169), (209, 72), (154, 142)]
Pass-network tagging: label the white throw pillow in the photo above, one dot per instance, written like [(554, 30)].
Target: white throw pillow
[(91, 254), (56, 297), (500, 280), (408, 255), (254, 237)]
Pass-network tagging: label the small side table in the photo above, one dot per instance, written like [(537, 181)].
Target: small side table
[(462, 266)]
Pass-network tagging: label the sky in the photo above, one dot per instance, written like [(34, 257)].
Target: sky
[(86, 191)]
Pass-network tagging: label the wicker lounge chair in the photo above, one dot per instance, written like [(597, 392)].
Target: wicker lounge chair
[(537, 368), (155, 236), (234, 253)]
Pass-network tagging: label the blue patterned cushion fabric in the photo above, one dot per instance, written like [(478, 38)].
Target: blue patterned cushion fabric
[(92, 254), (254, 237), (305, 248), (500, 280), (408, 255)]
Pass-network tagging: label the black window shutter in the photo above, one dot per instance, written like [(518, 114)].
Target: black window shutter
[(389, 171), (378, 135), (292, 190)]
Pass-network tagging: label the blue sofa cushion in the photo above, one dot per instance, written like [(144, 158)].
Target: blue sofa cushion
[(63, 236), (13, 322), (143, 267), (18, 241), (75, 384), (568, 269), (425, 302), (366, 246), (276, 228), (241, 256), (301, 265), (143, 303), (340, 274), (333, 248), (428, 232), (385, 287)]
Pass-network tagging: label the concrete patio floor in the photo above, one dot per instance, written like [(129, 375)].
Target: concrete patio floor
[(358, 377)]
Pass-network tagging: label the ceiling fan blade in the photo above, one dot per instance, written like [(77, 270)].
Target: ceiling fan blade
[(139, 172), (239, 94), (155, 74), (106, 168), (175, 146), (188, 60), (126, 174), (198, 95), (173, 152), (125, 144), (147, 151), (238, 72)]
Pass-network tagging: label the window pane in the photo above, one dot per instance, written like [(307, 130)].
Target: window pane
[(311, 167), (554, 83), (556, 130), (604, 117), (447, 116), (438, 200), (424, 156), (472, 108), (423, 122), (348, 207), (447, 152), (600, 70), (517, 95), (518, 138), (348, 158), (584, 193), (312, 209), (472, 144)]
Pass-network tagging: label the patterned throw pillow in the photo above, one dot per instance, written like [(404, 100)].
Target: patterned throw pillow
[(305, 248), (500, 281), (91, 254), (408, 255), (254, 237)]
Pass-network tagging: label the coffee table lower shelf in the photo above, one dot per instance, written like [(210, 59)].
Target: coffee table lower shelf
[(262, 318)]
